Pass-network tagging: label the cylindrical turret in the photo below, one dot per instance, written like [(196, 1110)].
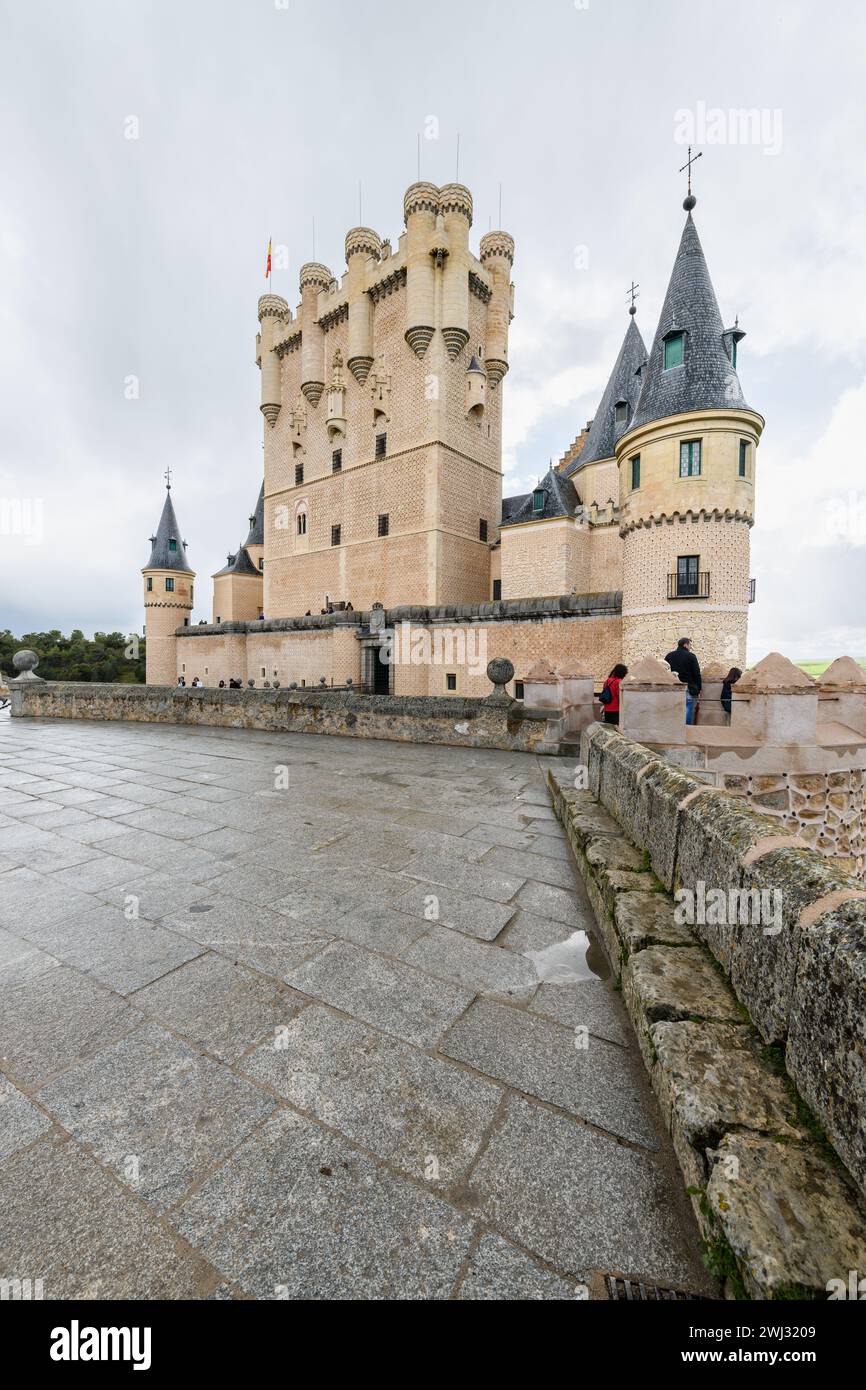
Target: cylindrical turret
[(420, 205), (497, 257), (361, 243), (273, 310), (314, 277), (455, 205)]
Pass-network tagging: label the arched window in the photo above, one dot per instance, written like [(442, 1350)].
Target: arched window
[(302, 523)]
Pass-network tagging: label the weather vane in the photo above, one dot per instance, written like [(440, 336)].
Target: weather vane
[(168, 479), (633, 293), (690, 200)]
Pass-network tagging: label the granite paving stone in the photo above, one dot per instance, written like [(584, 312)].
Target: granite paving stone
[(500, 1272), (473, 964), (221, 1007), (468, 878), (299, 1213), (573, 1069), (155, 1111), (20, 1120), (421, 1114), (582, 1201), (385, 993), (62, 1215), (479, 917)]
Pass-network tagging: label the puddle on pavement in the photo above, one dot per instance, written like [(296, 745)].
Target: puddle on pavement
[(579, 957)]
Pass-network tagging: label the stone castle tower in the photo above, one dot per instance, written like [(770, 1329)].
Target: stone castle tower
[(168, 596), (687, 478), (383, 409)]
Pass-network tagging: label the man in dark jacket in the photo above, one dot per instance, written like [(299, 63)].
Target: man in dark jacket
[(684, 664)]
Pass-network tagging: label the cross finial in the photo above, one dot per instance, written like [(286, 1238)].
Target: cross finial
[(167, 476), (634, 292), (690, 199)]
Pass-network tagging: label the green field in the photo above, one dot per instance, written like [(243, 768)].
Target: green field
[(817, 668)]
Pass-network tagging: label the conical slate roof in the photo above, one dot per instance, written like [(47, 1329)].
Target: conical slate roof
[(162, 557), (560, 499), (257, 526), (624, 385), (240, 563), (706, 380)]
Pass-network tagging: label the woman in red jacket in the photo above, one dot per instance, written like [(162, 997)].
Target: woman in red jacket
[(610, 694)]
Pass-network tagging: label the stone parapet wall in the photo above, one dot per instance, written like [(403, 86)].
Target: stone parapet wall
[(801, 973), (461, 722), (781, 1212)]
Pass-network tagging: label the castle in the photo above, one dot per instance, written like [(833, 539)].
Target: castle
[(381, 505)]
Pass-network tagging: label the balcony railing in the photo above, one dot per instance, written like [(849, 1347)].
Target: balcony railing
[(751, 591), (689, 585)]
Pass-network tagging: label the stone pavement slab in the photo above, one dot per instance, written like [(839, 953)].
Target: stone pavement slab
[(386, 993), (299, 1213), (579, 1072), (155, 1112), (424, 1115)]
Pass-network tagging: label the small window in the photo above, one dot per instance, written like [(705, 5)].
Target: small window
[(744, 458), (299, 474), (674, 351), (538, 500), (482, 529), (302, 523), (497, 589), (335, 535), (381, 445), (635, 472), (218, 618), (186, 622), (451, 681), (620, 413), (337, 461), (518, 690), (261, 562), (384, 523), (690, 458), (169, 586), (150, 584), (190, 594), (172, 545)]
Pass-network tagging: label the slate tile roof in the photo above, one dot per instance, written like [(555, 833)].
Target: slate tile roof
[(162, 557)]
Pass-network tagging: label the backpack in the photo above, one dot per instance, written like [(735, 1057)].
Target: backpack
[(606, 696)]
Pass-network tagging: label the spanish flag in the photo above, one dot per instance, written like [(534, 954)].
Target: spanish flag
[(268, 266)]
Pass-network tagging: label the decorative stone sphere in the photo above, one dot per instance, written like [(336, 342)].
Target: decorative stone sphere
[(276, 685), (323, 680), (25, 660), (349, 680), (500, 670), (251, 684), (293, 685)]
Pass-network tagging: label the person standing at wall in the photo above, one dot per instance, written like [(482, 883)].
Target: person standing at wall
[(684, 664), (610, 694), (726, 698)]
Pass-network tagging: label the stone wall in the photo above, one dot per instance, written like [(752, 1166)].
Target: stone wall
[(465, 723), (800, 971)]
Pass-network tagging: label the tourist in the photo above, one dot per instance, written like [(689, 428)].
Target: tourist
[(181, 680), (727, 702), (222, 685), (684, 664), (610, 694), (197, 682)]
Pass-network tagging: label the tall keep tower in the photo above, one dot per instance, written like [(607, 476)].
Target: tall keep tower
[(168, 596), (687, 479)]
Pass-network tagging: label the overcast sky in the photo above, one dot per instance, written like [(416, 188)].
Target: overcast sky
[(142, 258)]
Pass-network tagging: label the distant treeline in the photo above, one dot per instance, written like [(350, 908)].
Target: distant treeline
[(107, 656)]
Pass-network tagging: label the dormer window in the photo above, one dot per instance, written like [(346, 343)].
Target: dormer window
[(538, 500), (674, 348), (172, 545), (620, 413)]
